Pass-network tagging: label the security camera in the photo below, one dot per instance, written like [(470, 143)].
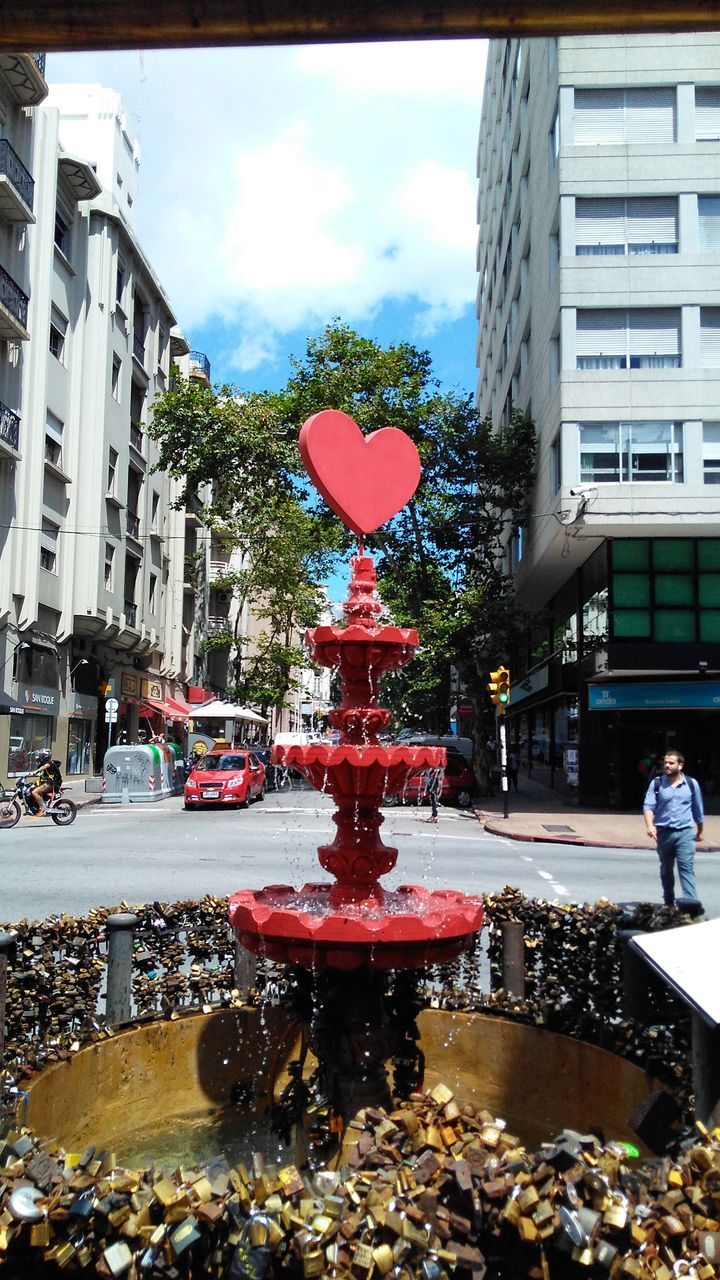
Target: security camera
[(582, 493)]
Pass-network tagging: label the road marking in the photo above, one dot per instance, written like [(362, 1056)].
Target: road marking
[(560, 888), (526, 859), (545, 874)]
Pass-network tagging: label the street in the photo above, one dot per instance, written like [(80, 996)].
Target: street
[(149, 852)]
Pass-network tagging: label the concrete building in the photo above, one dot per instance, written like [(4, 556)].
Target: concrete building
[(93, 591), (599, 314)]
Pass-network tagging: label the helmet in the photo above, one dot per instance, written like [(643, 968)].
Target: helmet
[(43, 756)]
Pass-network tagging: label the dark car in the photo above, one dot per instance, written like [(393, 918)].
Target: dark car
[(457, 785), (225, 777)]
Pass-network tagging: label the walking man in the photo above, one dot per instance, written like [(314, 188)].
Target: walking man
[(673, 806)]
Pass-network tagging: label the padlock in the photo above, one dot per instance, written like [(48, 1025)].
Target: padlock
[(313, 1262), (249, 1261)]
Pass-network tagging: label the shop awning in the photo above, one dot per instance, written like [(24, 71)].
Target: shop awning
[(8, 706), (159, 709), (181, 710), (219, 710)]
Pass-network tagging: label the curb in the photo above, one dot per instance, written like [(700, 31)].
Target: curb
[(493, 827)]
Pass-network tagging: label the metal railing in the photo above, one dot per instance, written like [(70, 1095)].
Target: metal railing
[(216, 624), (136, 437), (14, 169), (199, 363), (139, 350), (218, 568), (12, 297), (130, 611), (132, 524), (39, 60), (9, 426)]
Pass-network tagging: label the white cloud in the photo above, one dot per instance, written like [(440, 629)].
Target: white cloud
[(304, 183)]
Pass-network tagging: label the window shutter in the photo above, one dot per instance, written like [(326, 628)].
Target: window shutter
[(649, 115), (709, 223), (599, 221), (710, 337), (707, 114), (652, 221), (654, 332), (600, 333), (598, 117)]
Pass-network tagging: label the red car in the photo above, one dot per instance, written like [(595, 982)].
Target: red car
[(457, 785), (225, 777)]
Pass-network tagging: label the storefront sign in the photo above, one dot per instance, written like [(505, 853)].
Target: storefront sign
[(654, 697), (35, 697), (531, 684), (84, 706), (128, 684), (152, 689)]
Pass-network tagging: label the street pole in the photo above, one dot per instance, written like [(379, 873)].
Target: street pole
[(503, 762)]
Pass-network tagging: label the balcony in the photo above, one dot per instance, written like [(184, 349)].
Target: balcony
[(199, 367), (24, 75), (9, 432), (139, 350), (13, 309), (217, 624), (130, 611), (17, 187), (217, 569), (132, 524), (136, 438), (193, 510)]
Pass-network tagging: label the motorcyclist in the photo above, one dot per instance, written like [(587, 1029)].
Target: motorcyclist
[(49, 779)]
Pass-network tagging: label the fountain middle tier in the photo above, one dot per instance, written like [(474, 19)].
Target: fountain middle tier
[(358, 774)]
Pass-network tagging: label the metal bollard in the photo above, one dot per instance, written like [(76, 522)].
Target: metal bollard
[(513, 958), (7, 941), (119, 971), (245, 968)]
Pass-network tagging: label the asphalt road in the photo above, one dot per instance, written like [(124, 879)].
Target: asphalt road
[(148, 852)]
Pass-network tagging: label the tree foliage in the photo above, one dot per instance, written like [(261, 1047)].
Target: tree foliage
[(439, 560)]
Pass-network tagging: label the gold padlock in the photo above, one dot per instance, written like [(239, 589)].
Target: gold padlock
[(313, 1262)]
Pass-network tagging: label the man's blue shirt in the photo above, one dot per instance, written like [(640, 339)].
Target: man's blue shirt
[(678, 806)]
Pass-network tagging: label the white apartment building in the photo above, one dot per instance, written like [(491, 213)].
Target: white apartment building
[(93, 596), (599, 314)]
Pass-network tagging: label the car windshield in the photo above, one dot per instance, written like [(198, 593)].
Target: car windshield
[(223, 763)]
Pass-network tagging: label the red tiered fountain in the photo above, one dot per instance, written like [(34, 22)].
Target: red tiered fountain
[(355, 922)]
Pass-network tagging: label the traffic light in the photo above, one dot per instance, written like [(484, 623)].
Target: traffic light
[(499, 687)]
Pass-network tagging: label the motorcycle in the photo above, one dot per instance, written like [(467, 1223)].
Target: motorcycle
[(14, 803)]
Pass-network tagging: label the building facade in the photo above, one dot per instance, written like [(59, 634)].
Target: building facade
[(94, 596), (599, 315)]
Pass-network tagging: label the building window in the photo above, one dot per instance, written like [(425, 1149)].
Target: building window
[(665, 589), (709, 224), (28, 734), (152, 592), (710, 337), (636, 226), (711, 452), (108, 567), (707, 113), (612, 117), (53, 439), (111, 472), (58, 330), (631, 452), (115, 378), (556, 463), (79, 746), (120, 282), (62, 234), (635, 339), (48, 546), (154, 511)]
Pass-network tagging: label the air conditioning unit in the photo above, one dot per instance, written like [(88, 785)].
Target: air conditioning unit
[(224, 597)]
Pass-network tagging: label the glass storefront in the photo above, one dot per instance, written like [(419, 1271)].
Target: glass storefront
[(28, 734), (79, 746)]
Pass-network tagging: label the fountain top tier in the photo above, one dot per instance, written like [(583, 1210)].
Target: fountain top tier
[(355, 922)]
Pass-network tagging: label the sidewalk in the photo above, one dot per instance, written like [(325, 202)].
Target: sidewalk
[(539, 814)]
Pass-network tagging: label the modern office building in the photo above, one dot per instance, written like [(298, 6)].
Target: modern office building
[(94, 597), (599, 314)]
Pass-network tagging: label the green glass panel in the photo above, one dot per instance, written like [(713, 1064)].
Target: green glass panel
[(710, 625), (631, 590), (709, 588), (673, 588), (630, 553), (675, 626), (709, 553), (629, 623), (673, 553)]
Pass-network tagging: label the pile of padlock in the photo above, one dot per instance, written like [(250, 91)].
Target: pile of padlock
[(431, 1189)]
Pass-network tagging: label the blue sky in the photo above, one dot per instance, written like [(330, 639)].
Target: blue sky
[(282, 187)]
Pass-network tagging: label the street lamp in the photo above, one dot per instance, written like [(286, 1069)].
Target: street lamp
[(82, 662)]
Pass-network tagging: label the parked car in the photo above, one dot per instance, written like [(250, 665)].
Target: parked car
[(225, 777), (457, 785)]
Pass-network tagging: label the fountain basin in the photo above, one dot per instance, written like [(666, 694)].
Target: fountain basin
[(319, 926), (362, 648), (359, 774)]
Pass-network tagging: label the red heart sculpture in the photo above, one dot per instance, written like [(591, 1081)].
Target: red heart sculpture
[(365, 479)]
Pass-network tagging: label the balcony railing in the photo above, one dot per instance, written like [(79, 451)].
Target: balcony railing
[(9, 426), (199, 365), (139, 350), (130, 611), (132, 524), (14, 169), (12, 297), (39, 60), (217, 569), (136, 437), (217, 623)]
